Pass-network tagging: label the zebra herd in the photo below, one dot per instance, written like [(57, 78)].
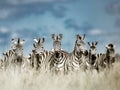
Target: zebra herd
[(58, 60)]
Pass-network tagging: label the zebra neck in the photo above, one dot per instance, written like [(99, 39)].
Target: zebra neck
[(78, 55)]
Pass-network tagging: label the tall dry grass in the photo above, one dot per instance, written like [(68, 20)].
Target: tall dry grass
[(14, 79)]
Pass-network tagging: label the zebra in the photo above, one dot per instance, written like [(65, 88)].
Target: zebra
[(93, 57), (78, 57), (110, 54), (57, 62), (101, 61), (1, 63), (39, 55), (38, 45), (17, 47), (8, 58)]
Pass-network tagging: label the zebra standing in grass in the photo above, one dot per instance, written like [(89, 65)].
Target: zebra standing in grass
[(77, 58), (15, 55), (1, 63), (93, 57), (8, 58), (101, 61), (17, 48), (57, 62), (39, 55), (110, 55)]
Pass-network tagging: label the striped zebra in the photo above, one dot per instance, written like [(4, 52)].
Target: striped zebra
[(57, 62), (1, 63), (101, 61), (110, 55), (93, 57), (78, 57), (17, 47), (8, 58), (39, 55)]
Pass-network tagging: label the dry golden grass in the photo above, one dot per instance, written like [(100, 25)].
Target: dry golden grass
[(13, 79)]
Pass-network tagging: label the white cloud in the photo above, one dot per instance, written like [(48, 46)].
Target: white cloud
[(6, 12), (16, 2), (95, 32), (3, 30)]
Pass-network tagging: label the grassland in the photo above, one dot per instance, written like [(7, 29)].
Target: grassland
[(14, 79)]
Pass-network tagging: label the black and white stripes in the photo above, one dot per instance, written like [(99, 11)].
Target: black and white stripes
[(58, 60), (79, 55)]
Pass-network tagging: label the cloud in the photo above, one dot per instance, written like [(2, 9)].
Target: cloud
[(15, 9), (113, 8), (5, 35), (59, 11), (4, 13), (95, 32), (72, 24), (23, 10), (17, 2), (3, 30)]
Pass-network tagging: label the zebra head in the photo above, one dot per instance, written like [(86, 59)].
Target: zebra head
[(17, 42), (17, 46), (57, 41), (92, 47), (92, 52), (38, 45), (79, 44), (110, 50)]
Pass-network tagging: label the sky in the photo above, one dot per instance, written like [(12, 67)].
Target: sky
[(28, 19)]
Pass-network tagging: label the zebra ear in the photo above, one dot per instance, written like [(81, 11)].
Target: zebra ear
[(12, 39), (106, 46), (96, 43), (4, 53), (42, 40), (53, 36), (39, 41), (89, 44), (83, 37), (34, 45), (35, 40), (61, 36), (78, 37), (93, 44), (22, 42)]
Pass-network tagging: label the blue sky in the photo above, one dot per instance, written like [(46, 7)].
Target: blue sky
[(28, 19)]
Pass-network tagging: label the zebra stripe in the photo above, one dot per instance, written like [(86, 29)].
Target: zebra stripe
[(8, 58), (93, 57), (58, 62), (110, 55), (79, 55), (77, 61), (17, 48), (101, 61), (39, 60)]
